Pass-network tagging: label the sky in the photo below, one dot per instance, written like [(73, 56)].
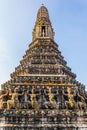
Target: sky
[(69, 20)]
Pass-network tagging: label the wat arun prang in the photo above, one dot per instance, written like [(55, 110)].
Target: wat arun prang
[(43, 93)]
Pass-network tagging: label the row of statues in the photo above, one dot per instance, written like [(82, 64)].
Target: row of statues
[(64, 99), (14, 102), (75, 100), (29, 79)]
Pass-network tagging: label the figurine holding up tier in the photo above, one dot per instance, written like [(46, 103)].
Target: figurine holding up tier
[(2, 102)]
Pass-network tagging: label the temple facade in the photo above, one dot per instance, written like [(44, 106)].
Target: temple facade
[(43, 93)]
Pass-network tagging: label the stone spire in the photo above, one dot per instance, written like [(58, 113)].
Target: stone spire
[(43, 27)]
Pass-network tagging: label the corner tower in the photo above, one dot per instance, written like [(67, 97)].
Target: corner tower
[(43, 27), (43, 93)]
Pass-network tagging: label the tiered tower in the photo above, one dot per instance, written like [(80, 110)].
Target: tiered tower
[(43, 93)]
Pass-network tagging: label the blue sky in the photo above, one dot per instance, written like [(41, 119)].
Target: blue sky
[(69, 20)]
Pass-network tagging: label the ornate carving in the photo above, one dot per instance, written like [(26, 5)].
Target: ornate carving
[(81, 105), (81, 101), (51, 99), (2, 101), (70, 103), (14, 102), (34, 102)]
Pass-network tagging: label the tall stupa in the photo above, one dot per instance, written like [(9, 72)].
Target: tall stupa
[(43, 93)]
